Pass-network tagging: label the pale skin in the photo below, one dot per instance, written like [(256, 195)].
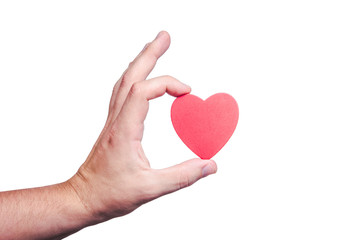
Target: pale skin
[(116, 178)]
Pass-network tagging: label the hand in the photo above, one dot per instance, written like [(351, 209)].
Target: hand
[(116, 178)]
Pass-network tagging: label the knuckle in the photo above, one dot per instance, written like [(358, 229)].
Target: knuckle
[(183, 180), (126, 79), (111, 138), (169, 77), (135, 89), (146, 47)]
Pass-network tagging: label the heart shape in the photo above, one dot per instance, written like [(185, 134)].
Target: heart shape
[(205, 126)]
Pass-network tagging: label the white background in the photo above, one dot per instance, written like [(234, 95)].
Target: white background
[(291, 169)]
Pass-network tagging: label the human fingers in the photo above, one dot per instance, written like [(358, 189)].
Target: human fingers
[(136, 105)]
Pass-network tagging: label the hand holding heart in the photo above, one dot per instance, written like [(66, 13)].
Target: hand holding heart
[(116, 178)]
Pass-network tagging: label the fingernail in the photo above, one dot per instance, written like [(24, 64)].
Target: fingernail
[(207, 170)]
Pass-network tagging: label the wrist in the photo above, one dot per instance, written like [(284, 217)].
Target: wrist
[(76, 190), (83, 195)]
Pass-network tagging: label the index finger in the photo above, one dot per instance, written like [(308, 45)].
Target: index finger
[(133, 113)]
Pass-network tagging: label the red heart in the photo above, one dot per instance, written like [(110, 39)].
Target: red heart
[(205, 126)]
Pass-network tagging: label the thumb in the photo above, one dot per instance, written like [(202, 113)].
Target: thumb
[(183, 175)]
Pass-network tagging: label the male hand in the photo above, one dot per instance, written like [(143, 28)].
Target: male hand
[(116, 178)]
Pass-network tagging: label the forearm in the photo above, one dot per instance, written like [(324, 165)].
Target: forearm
[(50, 212)]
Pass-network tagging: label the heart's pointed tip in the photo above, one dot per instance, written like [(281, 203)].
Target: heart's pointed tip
[(206, 156)]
